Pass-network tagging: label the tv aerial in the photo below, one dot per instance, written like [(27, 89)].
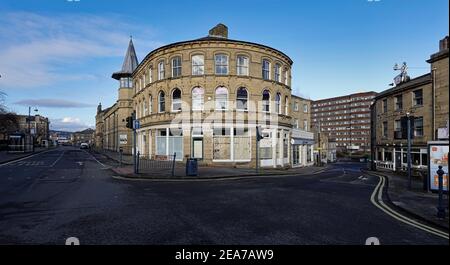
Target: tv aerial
[(403, 76)]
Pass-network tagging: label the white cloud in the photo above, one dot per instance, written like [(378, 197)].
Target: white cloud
[(36, 49), (70, 124)]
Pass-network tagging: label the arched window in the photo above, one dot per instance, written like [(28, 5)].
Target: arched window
[(197, 98), (161, 101), (221, 98), (286, 106), (176, 100), (161, 70), (241, 99), (176, 66), (278, 103), (266, 101), (221, 64)]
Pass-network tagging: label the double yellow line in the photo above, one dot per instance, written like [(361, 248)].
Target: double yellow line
[(377, 200)]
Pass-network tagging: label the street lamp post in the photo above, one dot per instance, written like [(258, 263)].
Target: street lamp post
[(29, 127), (409, 148)]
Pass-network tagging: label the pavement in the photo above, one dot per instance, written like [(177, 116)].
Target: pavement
[(204, 172), (68, 192), (126, 159), (210, 172), (417, 202)]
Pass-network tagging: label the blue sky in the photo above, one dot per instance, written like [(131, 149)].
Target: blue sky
[(58, 55)]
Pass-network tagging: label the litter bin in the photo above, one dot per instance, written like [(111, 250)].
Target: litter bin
[(191, 167)]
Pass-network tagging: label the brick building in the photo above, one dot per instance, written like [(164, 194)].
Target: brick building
[(344, 120)]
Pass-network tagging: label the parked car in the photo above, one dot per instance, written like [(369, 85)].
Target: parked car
[(84, 146)]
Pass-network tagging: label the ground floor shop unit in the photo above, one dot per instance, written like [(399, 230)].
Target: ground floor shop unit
[(229, 145), (395, 158)]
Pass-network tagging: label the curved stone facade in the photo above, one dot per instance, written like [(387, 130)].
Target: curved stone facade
[(204, 98)]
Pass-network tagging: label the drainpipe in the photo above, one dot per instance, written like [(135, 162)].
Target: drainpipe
[(433, 100)]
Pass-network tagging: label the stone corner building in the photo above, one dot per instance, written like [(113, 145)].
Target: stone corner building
[(111, 132), (204, 98), (424, 97)]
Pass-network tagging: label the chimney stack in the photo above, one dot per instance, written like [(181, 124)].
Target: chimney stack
[(219, 31), (443, 44)]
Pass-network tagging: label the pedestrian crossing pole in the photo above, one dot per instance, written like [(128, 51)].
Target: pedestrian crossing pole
[(133, 118)]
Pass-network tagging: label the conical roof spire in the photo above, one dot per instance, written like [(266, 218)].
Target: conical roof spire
[(130, 62)]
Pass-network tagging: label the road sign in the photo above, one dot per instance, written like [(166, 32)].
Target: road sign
[(137, 124)]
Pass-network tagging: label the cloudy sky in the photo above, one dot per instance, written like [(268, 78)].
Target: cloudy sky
[(58, 55)]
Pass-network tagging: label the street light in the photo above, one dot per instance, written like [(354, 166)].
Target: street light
[(29, 126)]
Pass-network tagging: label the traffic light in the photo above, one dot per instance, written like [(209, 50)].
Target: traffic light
[(129, 121), (258, 133)]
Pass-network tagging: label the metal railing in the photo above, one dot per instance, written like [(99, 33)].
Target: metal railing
[(155, 162), (21, 148)]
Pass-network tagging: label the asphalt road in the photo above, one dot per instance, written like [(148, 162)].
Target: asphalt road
[(66, 192)]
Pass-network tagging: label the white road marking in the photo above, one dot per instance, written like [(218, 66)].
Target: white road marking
[(56, 161), (14, 161), (95, 159), (389, 211)]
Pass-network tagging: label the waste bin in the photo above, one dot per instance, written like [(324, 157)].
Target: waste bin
[(191, 167)]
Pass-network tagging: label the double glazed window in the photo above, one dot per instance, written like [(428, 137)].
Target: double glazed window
[(277, 72), (161, 102), (176, 100), (418, 98), (241, 99), (398, 102), (286, 73), (150, 79), (221, 98), (266, 69), (176, 66), (286, 106), (198, 65), (266, 101), (221, 61), (161, 71), (385, 129), (150, 105), (278, 103), (242, 65), (197, 98), (385, 107), (418, 126)]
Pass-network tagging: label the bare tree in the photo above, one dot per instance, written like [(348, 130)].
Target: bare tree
[(9, 121)]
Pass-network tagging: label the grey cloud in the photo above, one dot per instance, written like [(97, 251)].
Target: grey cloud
[(53, 103)]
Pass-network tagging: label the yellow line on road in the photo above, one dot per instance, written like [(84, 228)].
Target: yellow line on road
[(377, 193)]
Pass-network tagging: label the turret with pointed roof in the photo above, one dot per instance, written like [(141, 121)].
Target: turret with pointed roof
[(130, 63)]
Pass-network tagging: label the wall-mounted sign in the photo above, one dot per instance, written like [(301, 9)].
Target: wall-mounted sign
[(438, 156), (442, 133), (123, 139)]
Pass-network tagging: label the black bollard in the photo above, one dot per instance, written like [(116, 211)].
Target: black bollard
[(440, 208)]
